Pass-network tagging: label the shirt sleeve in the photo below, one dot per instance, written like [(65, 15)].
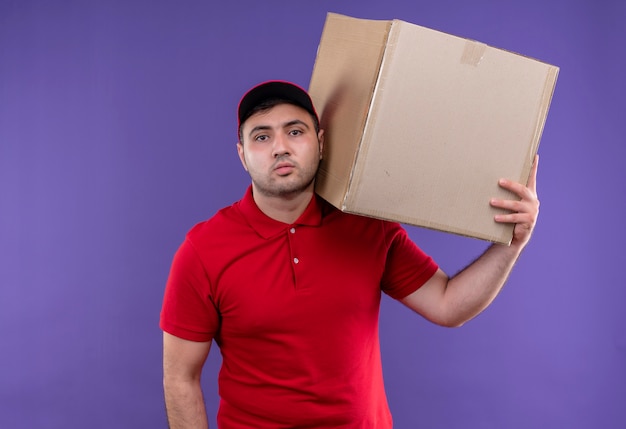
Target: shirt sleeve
[(188, 311), (407, 267)]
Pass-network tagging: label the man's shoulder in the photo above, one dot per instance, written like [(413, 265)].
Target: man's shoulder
[(332, 213), (222, 222)]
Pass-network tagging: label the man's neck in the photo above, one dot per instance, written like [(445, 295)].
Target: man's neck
[(283, 209)]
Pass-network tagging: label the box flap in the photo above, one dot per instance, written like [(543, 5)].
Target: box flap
[(342, 84)]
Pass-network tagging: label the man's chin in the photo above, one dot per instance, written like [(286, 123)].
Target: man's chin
[(286, 191)]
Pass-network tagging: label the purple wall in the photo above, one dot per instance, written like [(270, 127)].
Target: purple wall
[(117, 132)]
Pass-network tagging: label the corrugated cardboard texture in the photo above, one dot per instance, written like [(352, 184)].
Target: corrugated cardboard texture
[(447, 118)]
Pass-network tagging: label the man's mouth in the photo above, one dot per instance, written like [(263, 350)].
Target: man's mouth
[(284, 168)]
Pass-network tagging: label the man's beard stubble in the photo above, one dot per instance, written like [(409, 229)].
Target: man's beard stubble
[(290, 189)]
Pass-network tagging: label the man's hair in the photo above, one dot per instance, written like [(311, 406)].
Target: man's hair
[(269, 104)]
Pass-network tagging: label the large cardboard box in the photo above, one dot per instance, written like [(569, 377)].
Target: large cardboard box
[(420, 124)]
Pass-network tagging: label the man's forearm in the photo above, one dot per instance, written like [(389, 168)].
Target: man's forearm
[(184, 402), (470, 291)]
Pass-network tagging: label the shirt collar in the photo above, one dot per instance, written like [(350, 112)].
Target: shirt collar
[(267, 227)]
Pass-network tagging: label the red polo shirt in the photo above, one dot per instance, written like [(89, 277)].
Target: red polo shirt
[(294, 311)]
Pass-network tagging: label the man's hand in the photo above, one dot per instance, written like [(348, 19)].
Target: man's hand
[(524, 212), (452, 302)]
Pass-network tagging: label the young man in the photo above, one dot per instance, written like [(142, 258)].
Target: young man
[(289, 287)]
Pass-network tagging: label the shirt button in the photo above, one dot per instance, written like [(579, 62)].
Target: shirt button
[(296, 260), (292, 230)]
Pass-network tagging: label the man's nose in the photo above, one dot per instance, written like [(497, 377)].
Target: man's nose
[(281, 146)]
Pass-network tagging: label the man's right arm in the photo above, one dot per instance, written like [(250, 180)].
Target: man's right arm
[(182, 367)]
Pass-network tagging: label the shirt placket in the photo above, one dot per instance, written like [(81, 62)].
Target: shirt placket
[(295, 258)]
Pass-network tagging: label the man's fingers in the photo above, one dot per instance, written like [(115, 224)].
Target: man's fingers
[(510, 205), (516, 218), (518, 189)]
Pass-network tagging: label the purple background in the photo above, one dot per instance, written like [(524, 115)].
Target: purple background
[(117, 134)]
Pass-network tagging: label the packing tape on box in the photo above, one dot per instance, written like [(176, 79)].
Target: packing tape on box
[(473, 53)]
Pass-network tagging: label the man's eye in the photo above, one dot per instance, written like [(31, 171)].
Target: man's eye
[(295, 132), (261, 138)]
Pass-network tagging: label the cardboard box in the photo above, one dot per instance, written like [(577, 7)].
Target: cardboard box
[(420, 124)]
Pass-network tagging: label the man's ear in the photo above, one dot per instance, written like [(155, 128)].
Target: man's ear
[(241, 154), (320, 138)]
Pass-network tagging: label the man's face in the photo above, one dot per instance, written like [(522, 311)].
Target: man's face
[(281, 150)]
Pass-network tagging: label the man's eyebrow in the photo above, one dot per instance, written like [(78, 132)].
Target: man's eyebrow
[(259, 128), (296, 122)]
